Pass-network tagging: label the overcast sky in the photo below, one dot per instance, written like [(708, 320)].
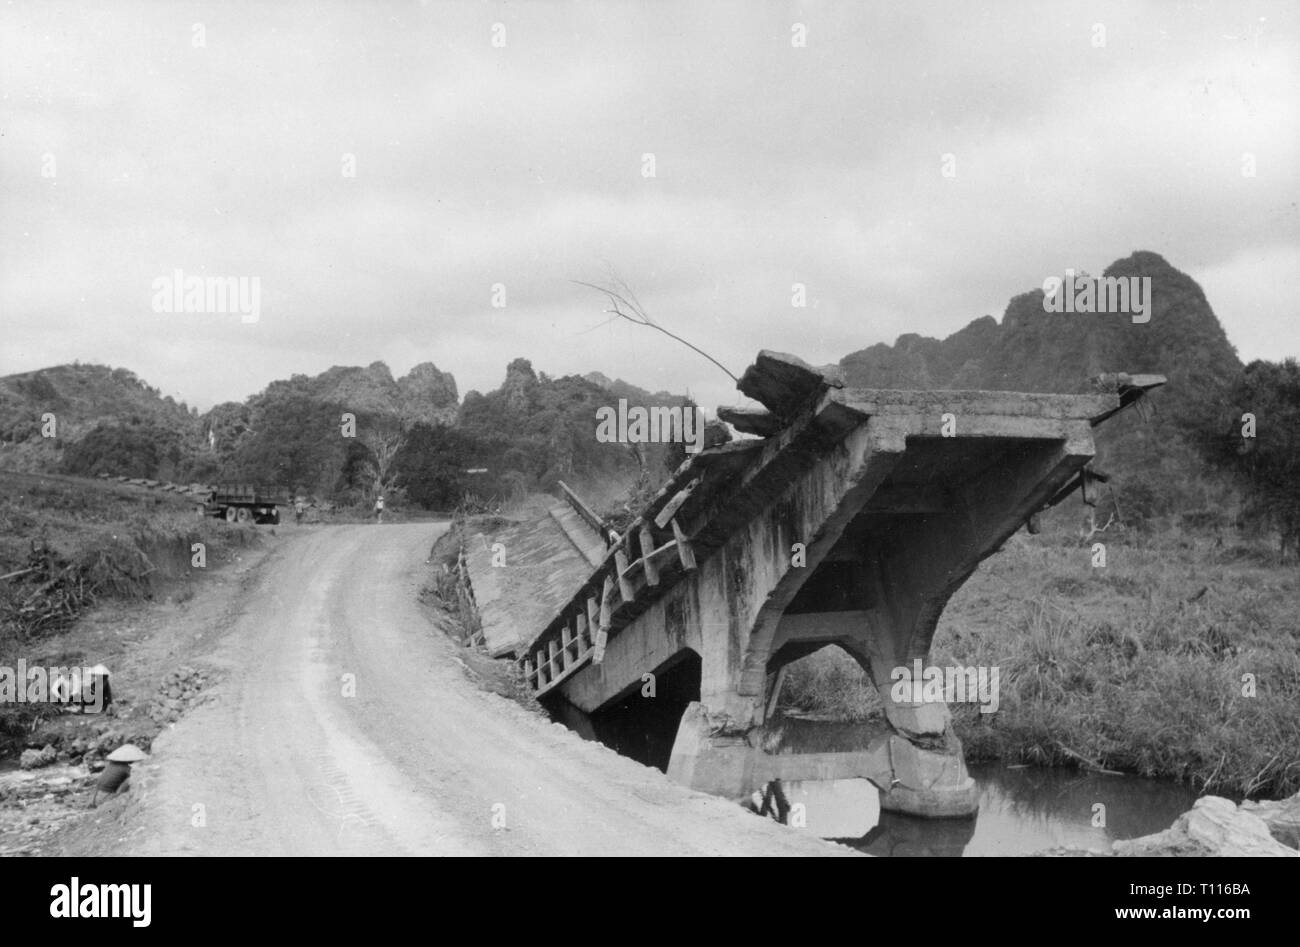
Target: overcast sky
[(506, 143)]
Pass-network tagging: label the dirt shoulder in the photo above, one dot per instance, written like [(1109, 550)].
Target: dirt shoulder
[(160, 653)]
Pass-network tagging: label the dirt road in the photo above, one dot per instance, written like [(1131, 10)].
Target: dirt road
[(346, 725)]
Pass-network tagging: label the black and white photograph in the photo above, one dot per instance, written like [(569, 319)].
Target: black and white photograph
[(652, 430)]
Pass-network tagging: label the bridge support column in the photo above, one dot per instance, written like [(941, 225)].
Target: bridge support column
[(913, 566), (709, 757), (928, 766)]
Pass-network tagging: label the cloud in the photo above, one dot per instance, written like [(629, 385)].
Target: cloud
[(522, 165)]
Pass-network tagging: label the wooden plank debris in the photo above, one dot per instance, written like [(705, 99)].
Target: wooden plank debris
[(647, 555), (684, 549), (670, 509), (624, 583), (751, 420)]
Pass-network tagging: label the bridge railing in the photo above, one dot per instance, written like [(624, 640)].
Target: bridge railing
[(588, 515), (623, 583)]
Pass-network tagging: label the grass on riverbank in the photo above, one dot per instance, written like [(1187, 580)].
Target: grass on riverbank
[(1141, 666)]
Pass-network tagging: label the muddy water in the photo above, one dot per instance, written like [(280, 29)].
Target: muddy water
[(1028, 810), (1023, 810)]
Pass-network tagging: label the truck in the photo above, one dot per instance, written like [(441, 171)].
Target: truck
[(246, 502)]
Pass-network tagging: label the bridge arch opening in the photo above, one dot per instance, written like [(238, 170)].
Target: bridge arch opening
[(824, 679), (642, 722)]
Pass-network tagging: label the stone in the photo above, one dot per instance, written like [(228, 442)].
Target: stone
[(1214, 827), (1282, 818), (31, 759)]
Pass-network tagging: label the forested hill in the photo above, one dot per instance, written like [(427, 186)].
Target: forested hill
[(411, 433), (416, 435), (1035, 350), (1158, 462), (71, 401)]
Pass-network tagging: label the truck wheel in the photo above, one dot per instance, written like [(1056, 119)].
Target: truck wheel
[(244, 515), (231, 514)]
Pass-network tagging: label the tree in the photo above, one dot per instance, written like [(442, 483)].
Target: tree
[(431, 466), (383, 441), (128, 450), (1265, 445)]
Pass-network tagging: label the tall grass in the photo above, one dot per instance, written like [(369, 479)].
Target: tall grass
[(1144, 666), (829, 683)]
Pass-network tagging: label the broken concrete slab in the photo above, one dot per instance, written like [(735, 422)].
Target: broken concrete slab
[(1213, 827), (751, 420), (783, 383), (1282, 818)]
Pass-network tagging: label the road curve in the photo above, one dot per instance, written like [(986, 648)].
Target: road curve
[(346, 725)]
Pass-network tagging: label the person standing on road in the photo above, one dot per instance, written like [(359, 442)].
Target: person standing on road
[(299, 505), (379, 508)]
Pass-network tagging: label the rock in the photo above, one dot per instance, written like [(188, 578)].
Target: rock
[(1214, 826), (1282, 818), (31, 759), (428, 395), (173, 692)]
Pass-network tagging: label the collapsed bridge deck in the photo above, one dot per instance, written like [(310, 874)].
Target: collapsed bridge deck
[(851, 519)]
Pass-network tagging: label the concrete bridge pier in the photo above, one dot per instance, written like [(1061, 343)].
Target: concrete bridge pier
[(885, 554)]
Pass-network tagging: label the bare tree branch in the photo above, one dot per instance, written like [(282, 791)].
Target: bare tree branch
[(636, 314)]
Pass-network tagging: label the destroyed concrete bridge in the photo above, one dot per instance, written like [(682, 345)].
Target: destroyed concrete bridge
[(850, 519)]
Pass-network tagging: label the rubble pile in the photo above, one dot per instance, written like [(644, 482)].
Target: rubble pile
[(179, 691)]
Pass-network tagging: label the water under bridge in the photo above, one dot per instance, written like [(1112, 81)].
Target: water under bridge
[(850, 517)]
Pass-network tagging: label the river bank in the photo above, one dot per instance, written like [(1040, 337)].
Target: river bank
[(1178, 659)]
